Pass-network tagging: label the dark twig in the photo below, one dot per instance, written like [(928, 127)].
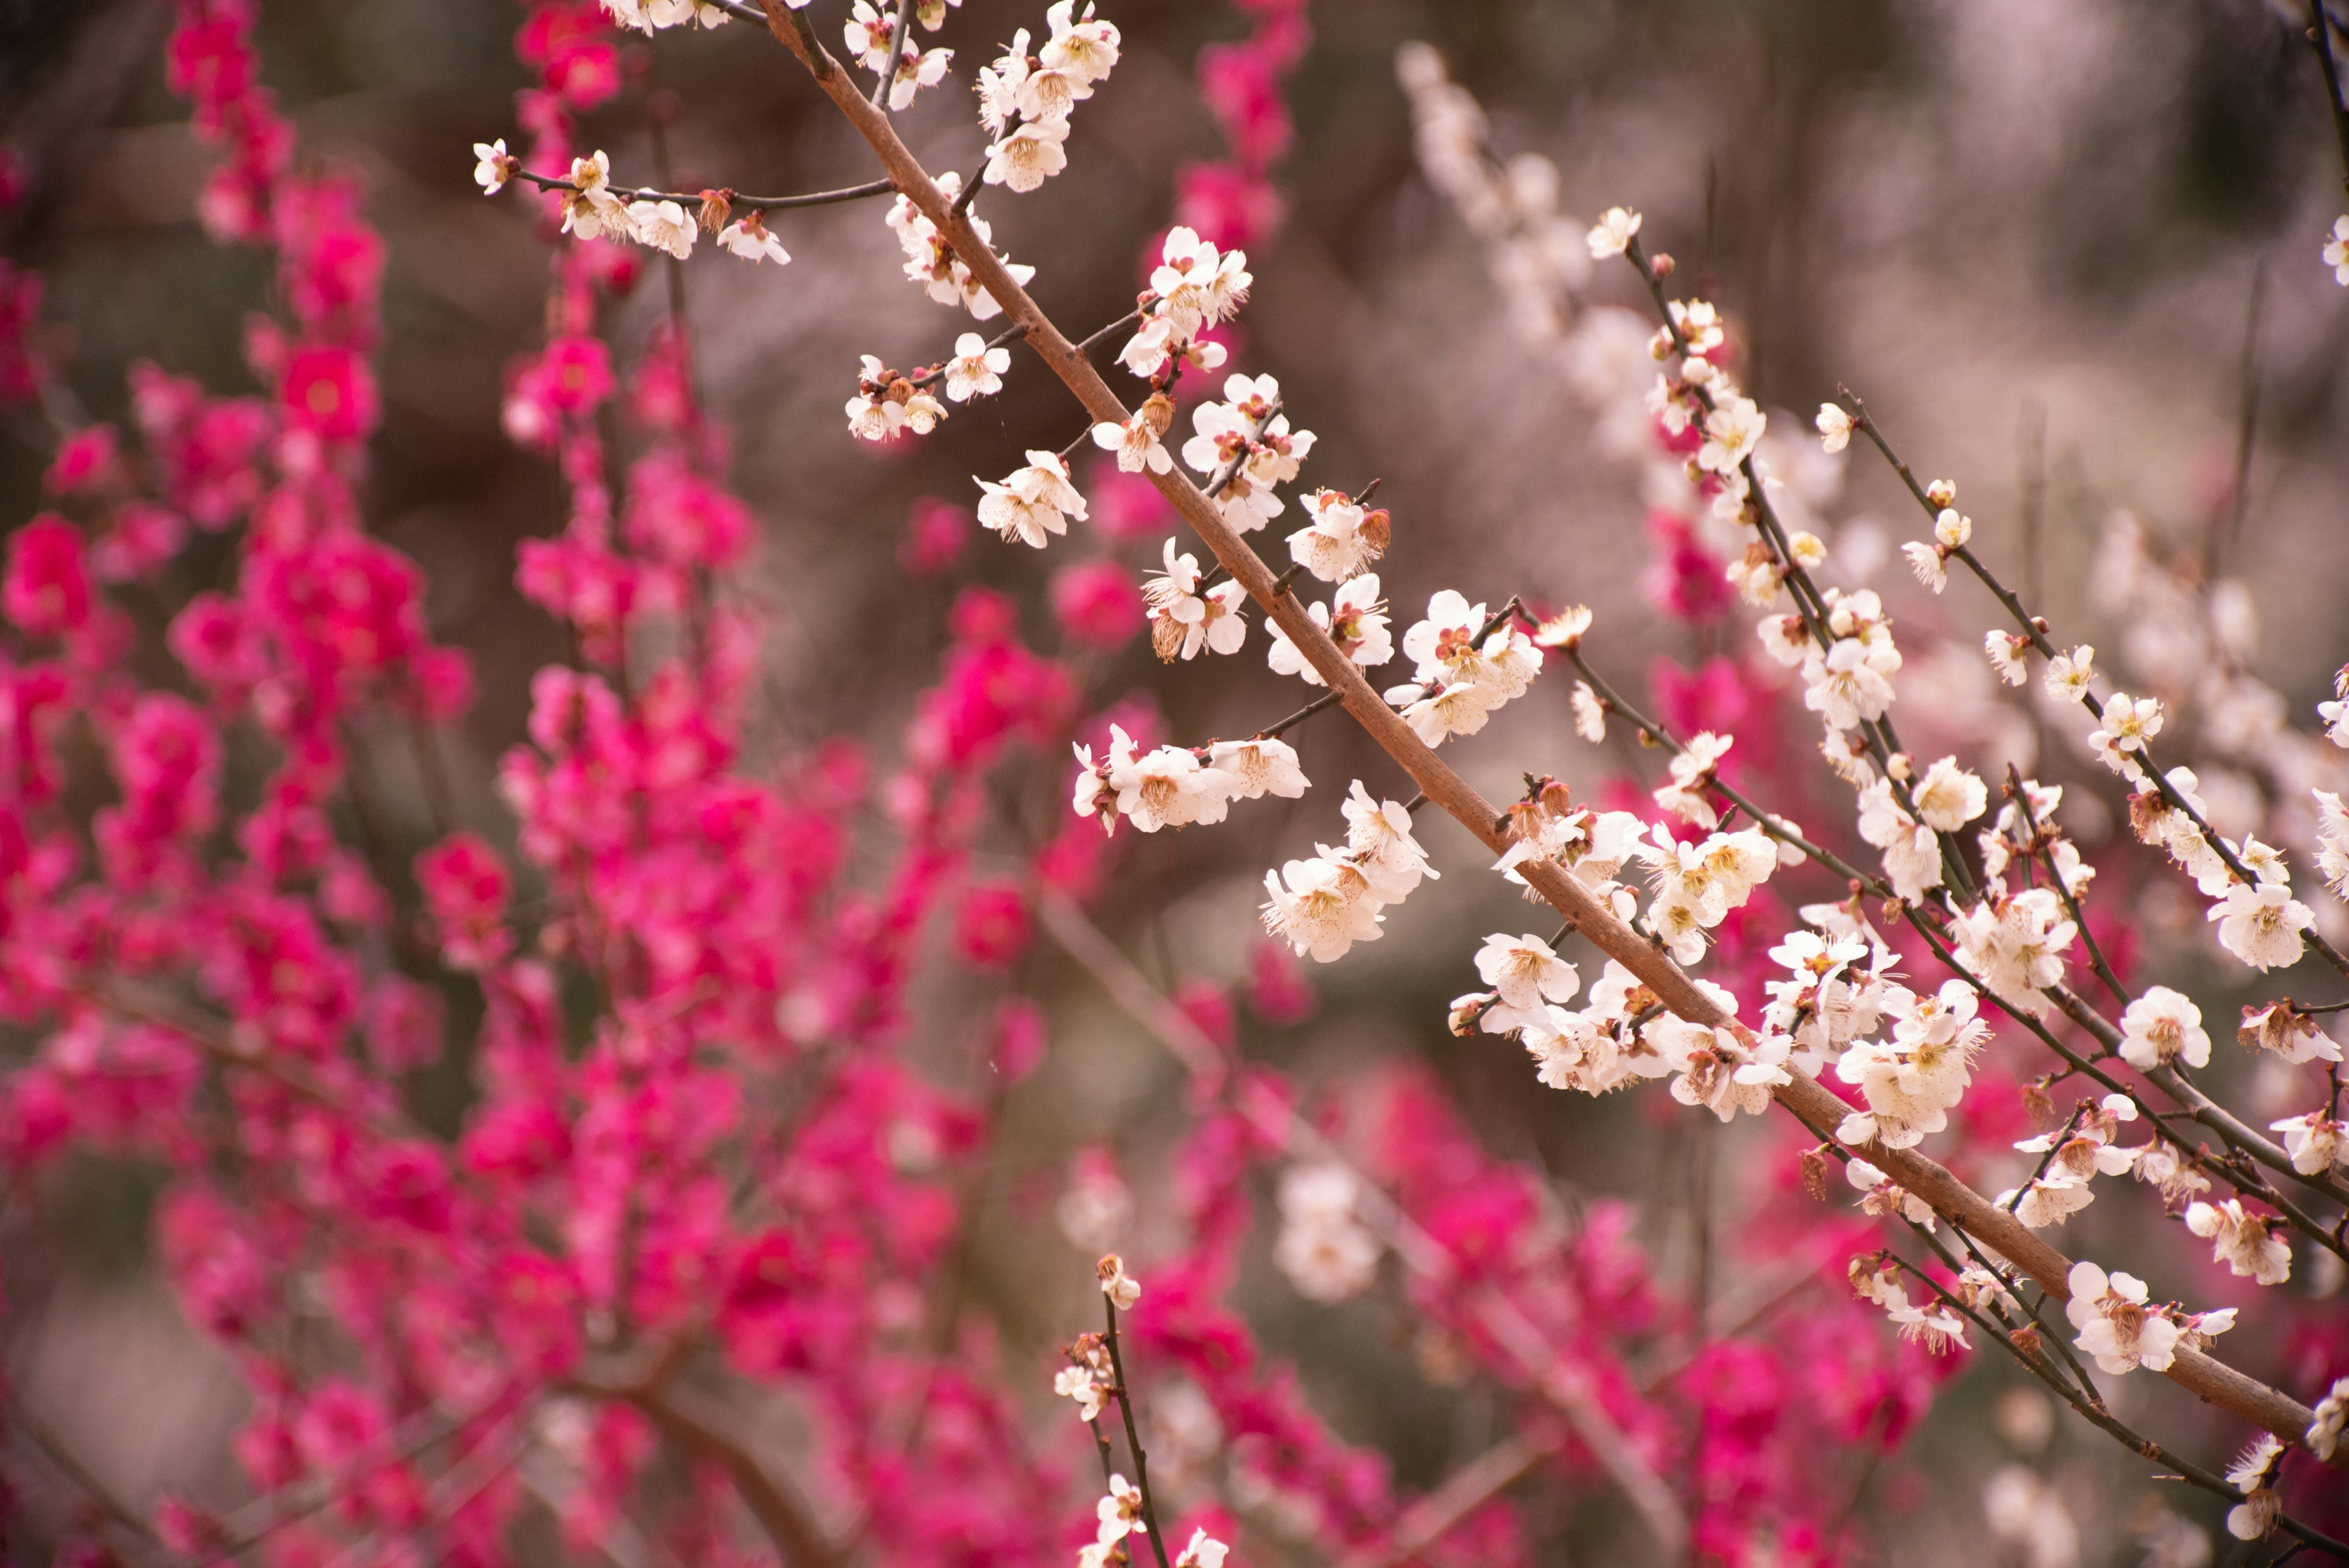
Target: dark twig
[(897, 56), (693, 198), (1133, 1437)]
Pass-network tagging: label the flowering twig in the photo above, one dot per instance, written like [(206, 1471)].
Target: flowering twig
[(1931, 1183), (694, 198), (897, 54), (1123, 1393)]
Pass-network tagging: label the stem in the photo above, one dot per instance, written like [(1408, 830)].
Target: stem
[(1132, 1437), (897, 56), (693, 198)]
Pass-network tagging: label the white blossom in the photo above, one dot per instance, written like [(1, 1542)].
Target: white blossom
[(1355, 619), (1833, 427), (1082, 46), (2314, 1140), (2261, 925), (1121, 1288), (1032, 502), (2116, 1324), (2162, 1026), (1948, 797), (2069, 675), (2291, 1036), (1028, 156), (1170, 788), (976, 369), (1611, 235), (1183, 619), (1589, 713), (1525, 972), (2244, 1242), (2006, 656), (2336, 251), (1259, 767), (1322, 907), (1323, 1248), (2331, 1414), (1136, 441), (662, 225), (1337, 544), (749, 238), (492, 166)]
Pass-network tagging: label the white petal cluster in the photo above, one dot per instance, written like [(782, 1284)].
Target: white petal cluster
[(888, 404), (868, 34), (1877, 1280), (2336, 250), (2015, 834), (931, 262), (747, 237), (1849, 681), (2332, 841), (1912, 1081), (1697, 885), (1031, 503), (1136, 441), (1683, 791), (1024, 99), (2253, 1474), (2332, 1416), (976, 370), (1323, 905), (651, 15), (1540, 257), (2081, 1150), (1343, 540), (1183, 619), (1835, 994), (2315, 1141), (2121, 1330), (2246, 1243), (1323, 1247), (1611, 235), (1912, 854), (1883, 1198), (1355, 617), (2163, 1026), (493, 165), (1090, 1377), (1833, 425), (1723, 1070), (1459, 681), (2290, 1035), (1194, 287), (1169, 786), (1245, 434), (2261, 925), (2015, 944)]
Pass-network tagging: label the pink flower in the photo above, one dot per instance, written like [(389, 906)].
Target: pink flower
[(991, 925), (464, 882), (329, 392), (45, 592), (86, 459), (1097, 603), (936, 532)]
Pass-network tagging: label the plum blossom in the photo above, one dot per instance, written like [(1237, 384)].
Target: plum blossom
[(662, 225), (494, 166), (1247, 436), (2290, 1035), (2336, 250), (2261, 925), (1259, 767), (1947, 796), (976, 369), (1611, 235), (1691, 769), (1355, 619), (1169, 787), (1525, 973), (1725, 1071), (1028, 156), (2163, 1026), (2245, 1242), (2006, 651), (1183, 619), (2069, 675), (1120, 1511), (2116, 1324), (1136, 441), (2315, 1141), (748, 237), (1033, 502), (1322, 905), (2331, 1415), (1342, 539), (1121, 1288), (1322, 1247), (1833, 425), (1912, 855), (1911, 1082)]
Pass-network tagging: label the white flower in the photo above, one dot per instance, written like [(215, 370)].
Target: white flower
[(1324, 908), (2315, 1141), (1525, 972), (2016, 946), (1683, 792), (1928, 564), (1028, 156), (1121, 1288), (1120, 1511), (2331, 1414), (1947, 796), (867, 33), (1355, 619), (492, 166), (999, 85), (2250, 1474), (976, 369), (747, 237), (1169, 787), (1849, 681), (590, 211), (2162, 1026), (1436, 715), (1338, 544), (1198, 286), (919, 69), (2116, 1325), (1259, 767), (2129, 725), (1612, 237), (1322, 1248), (1720, 1071), (1033, 502), (1183, 619), (2261, 925), (1912, 1081), (1088, 50), (2290, 1035), (1205, 1550), (2332, 841), (2244, 1242), (1731, 430), (662, 225), (1951, 530), (2069, 675), (2006, 656), (1912, 856), (1833, 427), (1136, 441), (1589, 713), (1379, 838), (2336, 251)]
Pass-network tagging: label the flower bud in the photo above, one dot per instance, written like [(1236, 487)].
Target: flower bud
[(1663, 264), (1467, 1010), (1942, 493), (1814, 1172)]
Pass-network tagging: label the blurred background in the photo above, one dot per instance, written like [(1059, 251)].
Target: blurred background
[(2068, 254)]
